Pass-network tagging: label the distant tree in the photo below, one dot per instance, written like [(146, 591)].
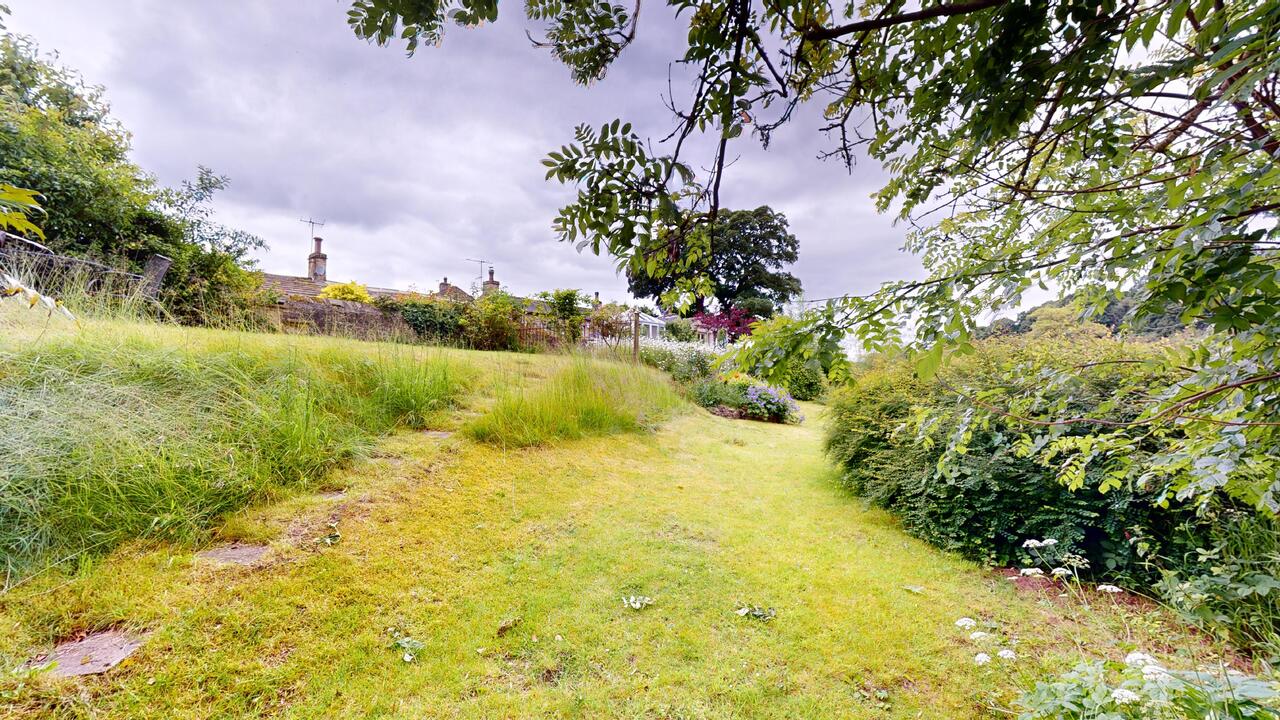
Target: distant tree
[(749, 249), (732, 323), (565, 310), (680, 330), (210, 280), (60, 141), (492, 322), (611, 322)]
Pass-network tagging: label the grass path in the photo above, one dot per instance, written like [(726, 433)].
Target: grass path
[(449, 542)]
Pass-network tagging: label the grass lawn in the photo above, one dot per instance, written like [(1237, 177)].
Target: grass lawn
[(509, 567)]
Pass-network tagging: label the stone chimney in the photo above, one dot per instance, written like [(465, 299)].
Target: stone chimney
[(489, 285), (444, 286), (596, 302), (316, 263)]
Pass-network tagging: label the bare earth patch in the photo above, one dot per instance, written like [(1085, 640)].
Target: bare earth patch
[(242, 554), (91, 655)]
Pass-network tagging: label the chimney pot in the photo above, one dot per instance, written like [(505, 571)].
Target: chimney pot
[(316, 262), (489, 285)]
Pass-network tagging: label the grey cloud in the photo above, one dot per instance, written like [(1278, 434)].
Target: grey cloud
[(418, 163)]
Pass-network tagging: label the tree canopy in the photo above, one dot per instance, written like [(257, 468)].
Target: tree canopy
[(749, 250), (59, 141), (1086, 146)]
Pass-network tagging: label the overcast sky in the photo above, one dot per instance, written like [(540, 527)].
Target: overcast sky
[(417, 163)]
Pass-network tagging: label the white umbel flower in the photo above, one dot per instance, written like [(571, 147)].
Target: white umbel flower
[(1031, 572), (1032, 544), (1137, 659), (1061, 572), (1124, 696), (1007, 654), (966, 623), (978, 635), (981, 659), (1109, 589)]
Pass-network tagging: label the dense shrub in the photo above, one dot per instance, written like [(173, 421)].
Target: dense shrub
[(714, 392), (492, 322), (349, 291), (680, 330), (1217, 563), (988, 500), (768, 403), (432, 318), (806, 381)]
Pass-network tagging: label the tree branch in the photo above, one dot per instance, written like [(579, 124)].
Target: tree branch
[(959, 8)]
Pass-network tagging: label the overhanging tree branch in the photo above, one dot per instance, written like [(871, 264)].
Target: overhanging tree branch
[(959, 8)]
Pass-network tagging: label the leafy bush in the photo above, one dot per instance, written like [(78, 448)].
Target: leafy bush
[(806, 381), (989, 499), (350, 291), (492, 322), (565, 311), (432, 318), (764, 402), (714, 392), (978, 489), (680, 330), (1223, 572), (582, 400)]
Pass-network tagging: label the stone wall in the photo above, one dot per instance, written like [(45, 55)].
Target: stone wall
[(339, 317)]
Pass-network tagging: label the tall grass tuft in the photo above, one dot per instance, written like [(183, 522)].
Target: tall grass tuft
[(583, 399), (117, 432)]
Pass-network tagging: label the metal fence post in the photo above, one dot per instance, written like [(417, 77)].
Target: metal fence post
[(635, 336)]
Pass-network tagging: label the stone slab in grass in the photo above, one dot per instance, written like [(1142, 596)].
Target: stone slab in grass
[(92, 655), (241, 554)]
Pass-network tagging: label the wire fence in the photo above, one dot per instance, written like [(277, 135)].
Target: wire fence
[(60, 275)]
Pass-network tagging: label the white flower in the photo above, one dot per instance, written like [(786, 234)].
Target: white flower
[(1123, 696), (1061, 572), (1109, 589), (408, 657), (1030, 572), (1048, 542), (1032, 544), (978, 635), (981, 659), (1006, 654), (1152, 671), (966, 623), (637, 602), (1137, 659)]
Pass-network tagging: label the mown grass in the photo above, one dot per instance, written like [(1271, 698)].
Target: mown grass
[(121, 430), (583, 399), (449, 541)]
